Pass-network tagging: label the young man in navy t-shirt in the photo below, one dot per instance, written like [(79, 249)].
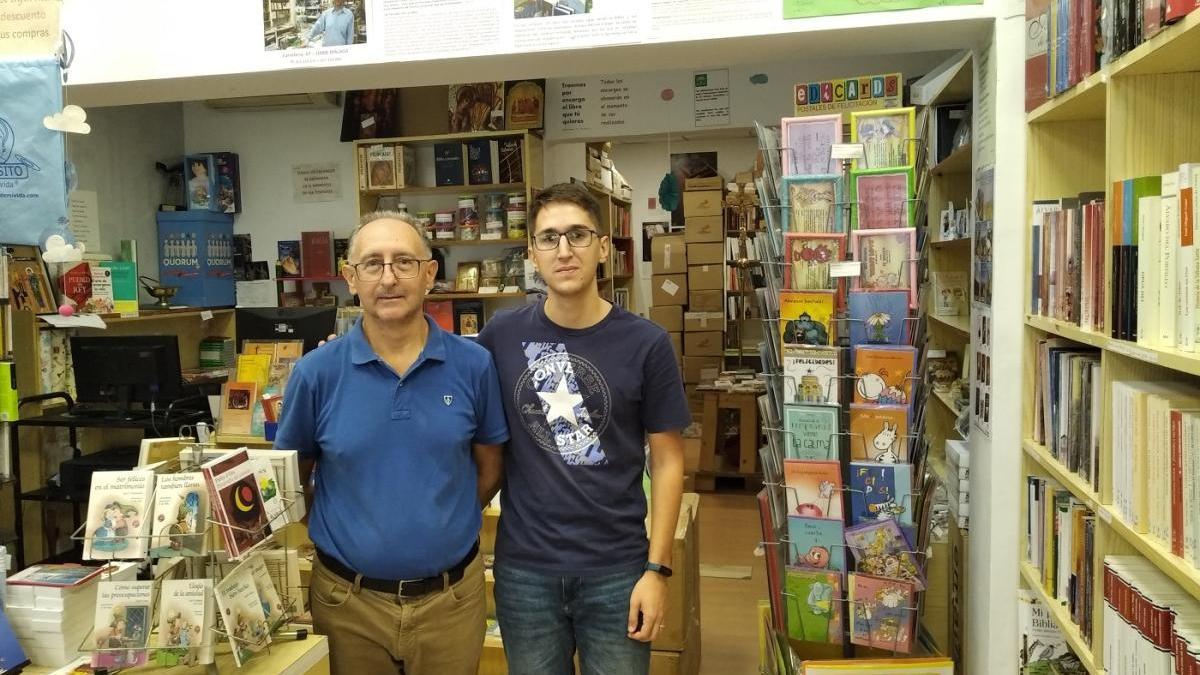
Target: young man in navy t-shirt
[(586, 385)]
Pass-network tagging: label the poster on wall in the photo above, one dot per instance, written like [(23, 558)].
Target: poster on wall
[(313, 24), (981, 370), (30, 27), (710, 96), (981, 258), (33, 189), (848, 94)]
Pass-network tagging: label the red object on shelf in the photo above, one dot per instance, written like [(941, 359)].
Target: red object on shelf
[(316, 254)]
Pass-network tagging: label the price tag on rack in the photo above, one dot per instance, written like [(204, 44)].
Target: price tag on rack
[(847, 151), (845, 268)]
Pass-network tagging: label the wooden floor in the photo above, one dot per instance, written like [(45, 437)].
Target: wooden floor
[(729, 533)]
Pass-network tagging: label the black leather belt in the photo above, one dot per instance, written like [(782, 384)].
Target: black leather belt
[(403, 588)]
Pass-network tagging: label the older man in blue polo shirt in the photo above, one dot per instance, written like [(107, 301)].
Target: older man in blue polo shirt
[(405, 424), (336, 24)]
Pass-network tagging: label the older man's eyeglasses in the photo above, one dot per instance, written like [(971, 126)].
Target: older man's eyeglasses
[(580, 237), (402, 268)]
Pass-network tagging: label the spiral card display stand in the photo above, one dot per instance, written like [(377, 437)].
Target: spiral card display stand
[(133, 640), (849, 506)]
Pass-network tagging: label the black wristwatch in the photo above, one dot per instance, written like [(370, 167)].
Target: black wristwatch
[(661, 569)]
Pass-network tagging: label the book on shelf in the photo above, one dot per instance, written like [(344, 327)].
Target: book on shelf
[(241, 608), (448, 164), (1127, 254), (1068, 399), (510, 160), (124, 618), (1061, 532), (950, 293), (186, 617), (316, 254), (118, 515), (238, 402), (1149, 621), (1041, 639)]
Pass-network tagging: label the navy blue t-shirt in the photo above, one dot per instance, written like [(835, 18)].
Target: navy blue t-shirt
[(579, 405)]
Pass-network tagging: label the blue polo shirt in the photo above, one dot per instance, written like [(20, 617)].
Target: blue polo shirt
[(396, 484)]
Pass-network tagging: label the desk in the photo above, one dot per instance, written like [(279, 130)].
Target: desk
[(286, 657)]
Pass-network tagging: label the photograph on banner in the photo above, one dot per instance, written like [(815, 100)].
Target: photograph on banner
[(533, 9), (309, 24)]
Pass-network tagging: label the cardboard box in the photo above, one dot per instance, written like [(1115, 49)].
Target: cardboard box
[(683, 591), (707, 183), (703, 321), (677, 345), (702, 203), (669, 317), (708, 343), (668, 289), (691, 455), (683, 662), (705, 301), (706, 277), (704, 229), (668, 254), (697, 369), (706, 254)]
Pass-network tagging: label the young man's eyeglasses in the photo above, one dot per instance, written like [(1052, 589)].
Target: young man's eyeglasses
[(580, 237), (402, 268)]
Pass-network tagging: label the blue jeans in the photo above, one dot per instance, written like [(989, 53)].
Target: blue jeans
[(545, 619)]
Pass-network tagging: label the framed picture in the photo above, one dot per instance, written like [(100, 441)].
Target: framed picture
[(887, 136), (882, 199), (29, 283), (467, 278), (807, 142), (476, 107), (889, 260), (808, 256), (813, 203)]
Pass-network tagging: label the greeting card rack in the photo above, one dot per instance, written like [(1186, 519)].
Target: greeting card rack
[(852, 505)]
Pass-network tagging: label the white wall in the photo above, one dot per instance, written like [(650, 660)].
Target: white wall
[(117, 161)]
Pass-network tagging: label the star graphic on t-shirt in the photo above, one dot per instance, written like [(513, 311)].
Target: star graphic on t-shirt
[(562, 403)]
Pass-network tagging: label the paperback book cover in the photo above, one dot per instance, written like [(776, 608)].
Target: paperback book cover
[(806, 317), (448, 164), (123, 622), (254, 368), (381, 167), (186, 615), (242, 615), (118, 525), (814, 489), (511, 166), (884, 374), (316, 254), (816, 543), (814, 605), (237, 502), (877, 318), (880, 491), (889, 260), (950, 293), (65, 575), (880, 549), (882, 612), (123, 276), (811, 431), (479, 162), (808, 256), (180, 515), (810, 374), (879, 433), (288, 263), (238, 400), (273, 609)]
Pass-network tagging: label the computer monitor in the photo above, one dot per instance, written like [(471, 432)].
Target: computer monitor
[(311, 324), (127, 369)]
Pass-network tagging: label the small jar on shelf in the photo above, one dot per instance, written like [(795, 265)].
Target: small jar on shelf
[(468, 218), (444, 225)]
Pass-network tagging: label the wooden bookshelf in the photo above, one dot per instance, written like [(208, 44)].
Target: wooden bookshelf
[(447, 243), (1132, 118), (434, 297), (1062, 617), (958, 161), (960, 323), (449, 189)]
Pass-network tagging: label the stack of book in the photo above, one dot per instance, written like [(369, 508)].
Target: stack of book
[(1067, 253), (51, 608), (958, 481), (1068, 398), (1061, 536), (217, 352), (1149, 622)]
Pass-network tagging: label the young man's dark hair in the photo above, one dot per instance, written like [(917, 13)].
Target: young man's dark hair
[(564, 193)]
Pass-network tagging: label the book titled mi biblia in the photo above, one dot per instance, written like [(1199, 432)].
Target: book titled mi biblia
[(118, 518)]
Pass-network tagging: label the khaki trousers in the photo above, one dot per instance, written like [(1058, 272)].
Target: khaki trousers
[(372, 633)]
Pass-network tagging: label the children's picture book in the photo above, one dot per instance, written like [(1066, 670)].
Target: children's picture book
[(881, 549), (288, 263), (877, 318), (118, 517), (881, 613), (816, 543), (810, 374), (888, 137), (884, 374), (814, 489), (242, 615), (64, 575), (814, 605), (237, 502), (806, 317), (880, 491), (808, 256), (813, 203), (879, 433), (889, 261), (950, 293), (123, 621), (808, 143), (180, 515), (883, 199), (810, 431), (185, 618)]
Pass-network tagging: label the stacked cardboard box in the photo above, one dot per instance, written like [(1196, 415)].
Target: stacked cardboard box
[(958, 481), (676, 651)]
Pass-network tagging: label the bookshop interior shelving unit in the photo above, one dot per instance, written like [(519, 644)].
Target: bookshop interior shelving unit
[(422, 194), (1135, 117), (616, 275)]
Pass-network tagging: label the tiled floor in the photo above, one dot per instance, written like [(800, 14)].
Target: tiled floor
[(729, 533)]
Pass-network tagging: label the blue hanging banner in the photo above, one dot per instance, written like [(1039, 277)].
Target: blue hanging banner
[(33, 185)]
